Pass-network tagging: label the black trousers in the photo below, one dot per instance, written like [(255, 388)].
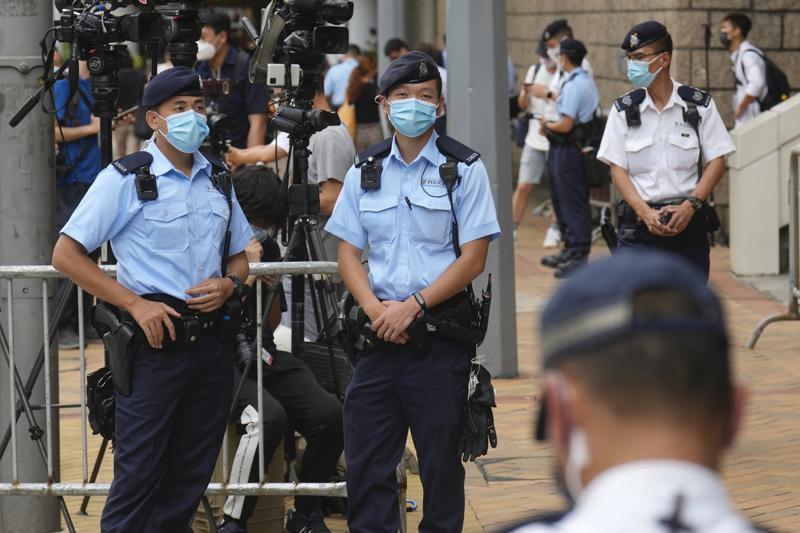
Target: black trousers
[(169, 432), (293, 398), (692, 244), (395, 389), (569, 192)]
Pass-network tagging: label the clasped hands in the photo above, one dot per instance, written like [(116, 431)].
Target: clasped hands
[(679, 218), (390, 319)]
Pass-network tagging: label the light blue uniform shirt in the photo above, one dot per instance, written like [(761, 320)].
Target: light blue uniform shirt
[(578, 98), (410, 247), (337, 79), (166, 245)]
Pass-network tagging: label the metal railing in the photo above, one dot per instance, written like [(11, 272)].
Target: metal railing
[(793, 313), (87, 486)]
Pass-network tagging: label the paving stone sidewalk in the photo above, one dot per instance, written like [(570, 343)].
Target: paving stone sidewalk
[(514, 481)]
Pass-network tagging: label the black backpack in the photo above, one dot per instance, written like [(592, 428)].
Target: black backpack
[(778, 88)]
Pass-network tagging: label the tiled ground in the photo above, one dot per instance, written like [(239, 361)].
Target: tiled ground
[(762, 472)]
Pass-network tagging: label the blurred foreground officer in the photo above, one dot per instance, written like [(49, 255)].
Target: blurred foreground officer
[(657, 138), (569, 189), (169, 219), (397, 198), (639, 399)]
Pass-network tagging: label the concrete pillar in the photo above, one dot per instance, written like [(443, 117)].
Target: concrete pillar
[(391, 23), (477, 115), (27, 208)]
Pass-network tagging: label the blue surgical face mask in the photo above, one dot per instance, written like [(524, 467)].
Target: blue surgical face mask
[(639, 72), (186, 131), (412, 117)]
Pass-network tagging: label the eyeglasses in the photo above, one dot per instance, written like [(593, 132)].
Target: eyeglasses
[(641, 58)]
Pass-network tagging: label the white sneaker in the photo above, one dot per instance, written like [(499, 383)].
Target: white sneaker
[(552, 238), (516, 236)]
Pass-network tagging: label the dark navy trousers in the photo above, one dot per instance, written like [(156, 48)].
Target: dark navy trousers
[(692, 244), (569, 192), (395, 389), (169, 432)]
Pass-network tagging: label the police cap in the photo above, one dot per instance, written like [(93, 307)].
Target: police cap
[(596, 307), (553, 28), (172, 82), (643, 34), (414, 67)]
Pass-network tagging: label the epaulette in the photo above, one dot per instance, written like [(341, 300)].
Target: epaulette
[(217, 163), (451, 147), (693, 95), (632, 98), (379, 150), (132, 162)]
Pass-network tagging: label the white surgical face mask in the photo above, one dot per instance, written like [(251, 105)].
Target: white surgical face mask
[(577, 460), (205, 50), (553, 53)]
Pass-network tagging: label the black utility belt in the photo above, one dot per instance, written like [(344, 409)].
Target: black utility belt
[(188, 328)]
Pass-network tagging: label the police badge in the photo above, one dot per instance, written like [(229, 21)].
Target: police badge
[(634, 39), (423, 68)]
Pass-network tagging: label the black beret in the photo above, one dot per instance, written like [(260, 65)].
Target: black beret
[(414, 67), (643, 34), (574, 46), (553, 28), (172, 82)]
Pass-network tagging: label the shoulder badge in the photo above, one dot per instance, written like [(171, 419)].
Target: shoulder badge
[(694, 95), (451, 147), (379, 150), (132, 162), (630, 99)]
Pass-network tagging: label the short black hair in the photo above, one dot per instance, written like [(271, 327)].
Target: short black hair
[(741, 21), (664, 44), (682, 378), (260, 194), (354, 50), (395, 44), (566, 31), (576, 58), (218, 21)]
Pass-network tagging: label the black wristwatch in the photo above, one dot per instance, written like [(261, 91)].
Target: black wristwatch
[(239, 288), (420, 301), (549, 95), (696, 203)]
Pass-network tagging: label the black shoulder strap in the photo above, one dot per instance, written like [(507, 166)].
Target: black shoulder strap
[(691, 115), (758, 52), (221, 179), (130, 163), (381, 149), (694, 95), (629, 103), (460, 152)]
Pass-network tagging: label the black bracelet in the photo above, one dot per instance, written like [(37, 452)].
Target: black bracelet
[(420, 301)]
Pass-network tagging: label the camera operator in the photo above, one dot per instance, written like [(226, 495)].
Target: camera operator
[(332, 153), (77, 164), (246, 103), (169, 219), (292, 397)]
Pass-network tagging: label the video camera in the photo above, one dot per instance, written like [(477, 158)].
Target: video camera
[(295, 36)]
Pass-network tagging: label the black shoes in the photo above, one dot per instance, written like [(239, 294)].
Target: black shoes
[(570, 265), (297, 522), (554, 260)]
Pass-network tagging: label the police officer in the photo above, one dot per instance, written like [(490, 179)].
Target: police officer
[(397, 198), (640, 401), (167, 219), (576, 105), (657, 138)]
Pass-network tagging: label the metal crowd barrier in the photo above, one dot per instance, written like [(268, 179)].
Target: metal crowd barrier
[(793, 313), (87, 486)]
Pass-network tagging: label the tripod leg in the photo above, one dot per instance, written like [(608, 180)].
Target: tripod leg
[(95, 470), (212, 523)]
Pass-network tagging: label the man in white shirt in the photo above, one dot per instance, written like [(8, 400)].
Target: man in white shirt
[(749, 67), (639, 399), (534, 153), (656, 139)]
